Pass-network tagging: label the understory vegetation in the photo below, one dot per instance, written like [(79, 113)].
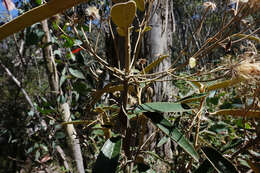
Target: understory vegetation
[(97, 88)]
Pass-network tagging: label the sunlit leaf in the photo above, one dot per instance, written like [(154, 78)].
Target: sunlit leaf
[(234, 143), (249, 37), (167, 128), (76, 73), (123, 14), (147, 28), (72, 56), (195, 84), (108, 157), (77, 122), (62, 79), (36, 15), (38, 2), (191, 98), (162, 141), (69, 41), (154, 64), (238, 113), (140, 4), (224, 84), (162, 107)]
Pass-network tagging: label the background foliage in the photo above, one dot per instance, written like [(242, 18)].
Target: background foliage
[(213, 122)]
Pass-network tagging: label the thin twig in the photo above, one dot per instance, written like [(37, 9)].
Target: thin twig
[(9, 73)]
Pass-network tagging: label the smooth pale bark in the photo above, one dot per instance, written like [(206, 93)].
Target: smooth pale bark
[(64, 107), (72, 134), (156, 43)]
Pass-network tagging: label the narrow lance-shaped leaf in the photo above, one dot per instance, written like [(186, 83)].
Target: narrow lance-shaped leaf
[(224, 84), (166, 127), (162, 107), (238, 112), (76, 73), (206, 166), (140, 4), (191, 98), (249, 37), (154, 64), (108, 157), (36, 15), (220, 163)]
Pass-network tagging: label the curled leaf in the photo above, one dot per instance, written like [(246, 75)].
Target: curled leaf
[(140, 4), (123, 14)]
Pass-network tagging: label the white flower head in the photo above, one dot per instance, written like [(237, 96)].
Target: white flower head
[(93, 13), (210, 5), (192, 62)]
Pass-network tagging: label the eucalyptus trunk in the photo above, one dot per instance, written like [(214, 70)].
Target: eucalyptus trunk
[(63, 107), (158, 42)]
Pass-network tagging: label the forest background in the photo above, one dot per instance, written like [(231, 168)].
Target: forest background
[(129, 86)]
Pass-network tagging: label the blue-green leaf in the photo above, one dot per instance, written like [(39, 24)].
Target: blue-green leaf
[(220, 163), (108, 157), (162, 107), (76, 73), (166, 127)]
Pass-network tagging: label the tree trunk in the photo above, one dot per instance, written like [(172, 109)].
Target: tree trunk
[(64, 107), (157, 42)]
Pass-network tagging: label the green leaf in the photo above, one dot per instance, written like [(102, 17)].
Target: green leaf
[(205, 167), (38, 2), (140, 4), (108, 157), (72, 56), (224, 84), (234, 143), (62, 79), (166, 127), (249, 37), (238, 112), (193, 97), (60, 135), (35, 15), (162, 107), (220, 163), (162, 141), (154, 64), (76, 73), (77, 43), (69, 41)]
